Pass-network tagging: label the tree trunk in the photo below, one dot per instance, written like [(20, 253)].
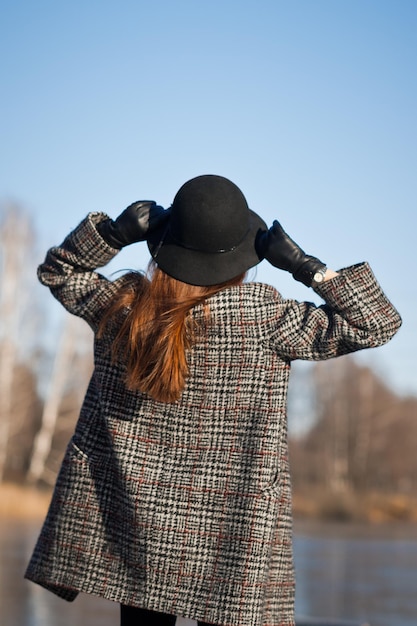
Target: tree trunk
[(14, 237), (60, 374)]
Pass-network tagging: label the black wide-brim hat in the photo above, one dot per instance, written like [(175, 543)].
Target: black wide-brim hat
[(210, 236)]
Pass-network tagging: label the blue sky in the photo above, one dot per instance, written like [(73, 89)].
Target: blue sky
[(309, 106)]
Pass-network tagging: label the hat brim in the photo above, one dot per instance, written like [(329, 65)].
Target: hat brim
[(205, 268)]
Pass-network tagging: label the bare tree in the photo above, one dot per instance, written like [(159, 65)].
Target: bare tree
[(66, 375), (15, 261), (43, 440), (26, 411)]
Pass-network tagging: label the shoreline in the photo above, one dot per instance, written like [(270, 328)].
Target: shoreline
[(23, 501), (361, 531)]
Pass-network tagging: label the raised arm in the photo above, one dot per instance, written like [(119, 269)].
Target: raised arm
[(357, 313), (69, 270)]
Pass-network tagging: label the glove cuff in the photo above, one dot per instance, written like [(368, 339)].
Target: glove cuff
[(306, 271), (108, 231)]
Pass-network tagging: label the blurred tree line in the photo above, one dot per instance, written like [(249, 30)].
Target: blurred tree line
[(45, 364), (361, 435)]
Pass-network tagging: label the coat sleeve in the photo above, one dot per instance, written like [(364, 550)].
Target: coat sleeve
[(69, 271), (356, 315)]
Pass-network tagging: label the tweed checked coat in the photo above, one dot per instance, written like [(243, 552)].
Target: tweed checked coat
[(185, 507)]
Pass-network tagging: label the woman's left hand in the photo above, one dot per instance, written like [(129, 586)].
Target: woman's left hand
[(133, 224)]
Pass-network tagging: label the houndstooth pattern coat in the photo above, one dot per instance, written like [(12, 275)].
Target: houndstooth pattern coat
[(185, 508)]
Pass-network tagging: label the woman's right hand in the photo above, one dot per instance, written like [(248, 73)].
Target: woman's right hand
[(281, 251)]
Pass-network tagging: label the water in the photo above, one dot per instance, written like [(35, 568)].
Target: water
[(365, 575), (340, 574)]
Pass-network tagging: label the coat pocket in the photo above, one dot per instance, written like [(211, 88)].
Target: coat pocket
[(91, 440), (75, 451)]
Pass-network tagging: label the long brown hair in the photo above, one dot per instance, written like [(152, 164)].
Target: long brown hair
[(156, 330)]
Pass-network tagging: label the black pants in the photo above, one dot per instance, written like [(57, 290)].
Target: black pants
[(132, 616)]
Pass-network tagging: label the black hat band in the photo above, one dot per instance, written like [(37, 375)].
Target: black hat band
[(200, 249)]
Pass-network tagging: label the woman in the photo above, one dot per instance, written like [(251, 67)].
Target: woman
[(174, 495)]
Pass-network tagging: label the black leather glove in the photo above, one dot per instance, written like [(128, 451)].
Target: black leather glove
[(282, 252), (133, 224)]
